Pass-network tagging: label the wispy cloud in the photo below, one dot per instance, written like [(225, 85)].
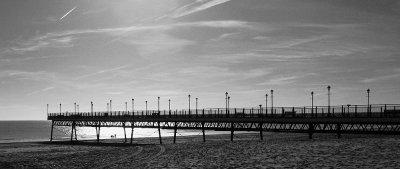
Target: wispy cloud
[(104, 71), (40, 42), (197, 6), (40, 91), (381, 78), (280, 80), (66, 14), (24, 75)]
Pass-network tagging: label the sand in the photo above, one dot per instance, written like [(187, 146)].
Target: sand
[(277, 150)]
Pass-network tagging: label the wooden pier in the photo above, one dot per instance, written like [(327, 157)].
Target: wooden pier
[(354, 119)]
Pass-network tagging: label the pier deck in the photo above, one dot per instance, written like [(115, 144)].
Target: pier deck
[(356, 119)]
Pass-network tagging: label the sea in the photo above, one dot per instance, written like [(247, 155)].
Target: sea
[(36, 131)]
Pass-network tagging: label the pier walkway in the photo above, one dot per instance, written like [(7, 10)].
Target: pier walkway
[(355, 119)]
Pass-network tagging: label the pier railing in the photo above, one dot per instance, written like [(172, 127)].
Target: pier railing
[(341, 111)]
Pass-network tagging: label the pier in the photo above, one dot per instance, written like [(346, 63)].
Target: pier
[(341, 119)]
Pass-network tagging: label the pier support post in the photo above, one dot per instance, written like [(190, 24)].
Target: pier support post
[(175, 128), (159, 132), (310, 130), (98, 133), (72, 130), (338, 128), (132, 125), (204, 134), (232, 130), (261, 131), (123, 125), (51, 134), (76, 138)]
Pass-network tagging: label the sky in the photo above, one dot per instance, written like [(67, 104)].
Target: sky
[(54, 51)]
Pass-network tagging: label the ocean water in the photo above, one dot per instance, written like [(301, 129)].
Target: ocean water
[(30, 131)]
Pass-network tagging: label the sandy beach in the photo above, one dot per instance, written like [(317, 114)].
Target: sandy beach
[(277, 150)]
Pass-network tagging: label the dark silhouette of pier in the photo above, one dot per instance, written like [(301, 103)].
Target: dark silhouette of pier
[(342, 119)]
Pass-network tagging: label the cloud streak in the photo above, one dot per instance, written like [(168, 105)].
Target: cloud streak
[(65, 15), (104, 71), (196, 6)]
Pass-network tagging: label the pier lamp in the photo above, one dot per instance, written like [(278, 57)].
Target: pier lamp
[(169, 104), (368, 100), (197, 99), (126, 107), (60, 108), (91, 106), (189, 104), (266, 103), (75, 107), (312, 102), (146, 106), (226, 102), (110, 105), (272, 101), (47, 109), (260, 112), (133, 105), (229, 98), (158, 104), (329, 100)]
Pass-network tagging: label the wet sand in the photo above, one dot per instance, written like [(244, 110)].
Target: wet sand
[(277, 150)]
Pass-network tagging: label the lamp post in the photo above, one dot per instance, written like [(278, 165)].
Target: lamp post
[(272, 101), (329, 100), (260, 112), (197, 99), (126, 107), (312, 103), (158, 104), (146, 106), (133, 105), (75, 107), (169, 104), (266, 103), (229, 99), (91, 107), (60, 108), (368, 90), (226, 102), (189, 104), (110, 105), (47, 109)]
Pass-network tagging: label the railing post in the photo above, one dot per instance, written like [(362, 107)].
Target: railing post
[(385, 111), (293, 112), (355, 110), (322, 114), (343, 111)]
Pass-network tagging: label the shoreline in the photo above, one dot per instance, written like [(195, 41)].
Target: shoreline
[(277, 150)]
